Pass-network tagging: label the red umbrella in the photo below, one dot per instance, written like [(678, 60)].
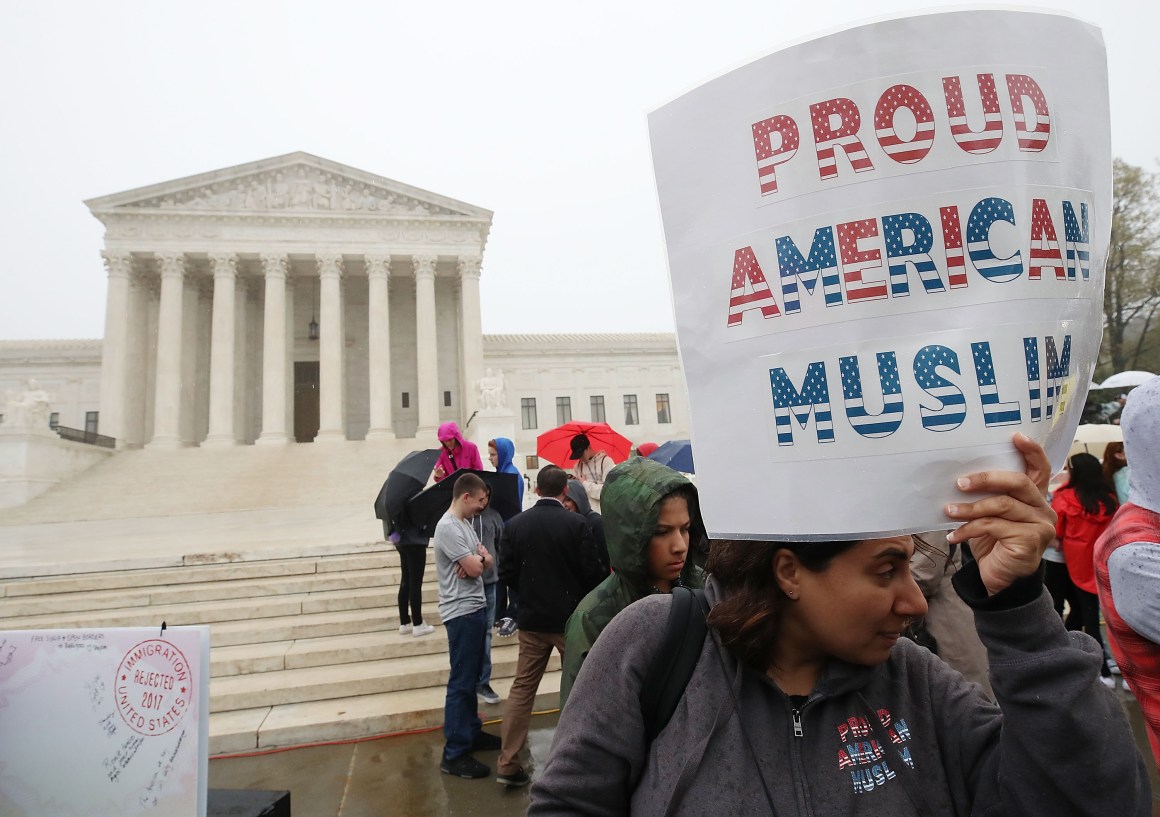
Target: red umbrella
[(555, 446)]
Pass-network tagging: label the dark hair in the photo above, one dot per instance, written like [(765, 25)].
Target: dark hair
[(551, 481), (698, 539), (749, 614), (468, 484), (1091, 488), (1112, 464)]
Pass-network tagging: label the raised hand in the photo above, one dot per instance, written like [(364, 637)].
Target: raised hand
[(1008, 532)]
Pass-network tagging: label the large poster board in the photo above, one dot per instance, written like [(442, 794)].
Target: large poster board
[(886, 249), (104, 722)]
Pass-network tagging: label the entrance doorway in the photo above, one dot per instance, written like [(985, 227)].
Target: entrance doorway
[(305, 402)]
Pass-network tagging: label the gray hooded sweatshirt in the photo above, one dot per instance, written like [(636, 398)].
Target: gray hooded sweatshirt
[(907, 737)]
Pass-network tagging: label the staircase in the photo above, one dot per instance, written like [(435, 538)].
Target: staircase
[(303, 649), (278, 551)]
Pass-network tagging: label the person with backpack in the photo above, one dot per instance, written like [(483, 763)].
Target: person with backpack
[(650, 516), (805, 699)]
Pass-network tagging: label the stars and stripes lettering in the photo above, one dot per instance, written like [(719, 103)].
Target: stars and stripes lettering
[(912, 128), (881, 258), (856, 262), (1020, 88), (836, 123), (822, 262), (995, 412), (791, 405), (987, 138), (784, 131), (912, 150), (952, 408), (1045, 254), (990, 266), (952, 233), (909, 240), (1075, 233), (1056, 364), (889, 419), (749, 288)]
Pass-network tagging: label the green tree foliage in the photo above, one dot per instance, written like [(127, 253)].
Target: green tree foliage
[(1132, 288)]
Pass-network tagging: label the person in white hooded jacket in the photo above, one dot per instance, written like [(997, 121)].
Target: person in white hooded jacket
[(806, 700)]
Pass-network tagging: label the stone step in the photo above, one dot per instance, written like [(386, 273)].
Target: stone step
[(380, 645), (316, 625), (159, 595), (347, 680), (199, 574), (246, 610), (272, 727)]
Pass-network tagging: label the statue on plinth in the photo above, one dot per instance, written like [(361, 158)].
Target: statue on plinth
[(28, 410), (492, 391)]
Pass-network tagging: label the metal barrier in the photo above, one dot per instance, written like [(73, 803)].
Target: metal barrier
[(76, 435)]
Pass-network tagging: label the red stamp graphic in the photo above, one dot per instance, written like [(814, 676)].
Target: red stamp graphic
[(154, 686)]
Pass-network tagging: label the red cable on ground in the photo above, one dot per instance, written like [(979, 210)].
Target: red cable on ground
[(348, 741)]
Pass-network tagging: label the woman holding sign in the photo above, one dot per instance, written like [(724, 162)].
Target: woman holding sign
[(806, 700)]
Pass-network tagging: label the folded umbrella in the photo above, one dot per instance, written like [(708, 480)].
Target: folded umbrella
[(406, 479), (426, 508), (555, 446), (676, 454)]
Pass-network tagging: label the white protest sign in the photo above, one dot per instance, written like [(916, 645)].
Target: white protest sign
[(104, 721), (887, 249)]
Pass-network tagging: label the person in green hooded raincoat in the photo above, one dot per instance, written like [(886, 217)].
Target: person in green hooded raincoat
[(655, 536)]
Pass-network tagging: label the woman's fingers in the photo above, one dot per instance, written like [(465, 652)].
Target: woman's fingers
[(1035, 463)]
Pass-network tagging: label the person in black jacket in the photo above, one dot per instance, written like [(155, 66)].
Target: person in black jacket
[(547, 555)]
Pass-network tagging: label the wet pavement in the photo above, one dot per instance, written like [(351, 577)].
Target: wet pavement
[(399, 775)]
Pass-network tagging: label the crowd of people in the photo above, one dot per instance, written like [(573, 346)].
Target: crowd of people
[(931, 668)]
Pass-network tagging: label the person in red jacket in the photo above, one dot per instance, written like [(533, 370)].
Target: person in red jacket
[(1084, 507)]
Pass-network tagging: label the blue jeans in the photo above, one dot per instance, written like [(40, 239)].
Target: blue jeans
[(485, 669), (461, 721)]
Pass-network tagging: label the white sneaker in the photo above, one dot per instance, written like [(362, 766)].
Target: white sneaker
[(422, 629), (405, 629), (1108, 681)]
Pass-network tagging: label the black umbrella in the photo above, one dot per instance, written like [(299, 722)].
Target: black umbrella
[(405, 480), (427, 508)]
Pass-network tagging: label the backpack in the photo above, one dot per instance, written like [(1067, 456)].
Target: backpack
[(671, 669)]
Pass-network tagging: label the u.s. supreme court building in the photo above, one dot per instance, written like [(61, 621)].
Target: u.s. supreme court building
[(294, 300)]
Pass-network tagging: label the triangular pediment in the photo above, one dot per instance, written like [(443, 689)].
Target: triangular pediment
[(295, 183)]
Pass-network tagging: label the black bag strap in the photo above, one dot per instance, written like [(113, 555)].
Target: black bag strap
[(671, 669)]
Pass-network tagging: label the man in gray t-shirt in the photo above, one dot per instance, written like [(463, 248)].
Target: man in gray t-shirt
[(460, 561)]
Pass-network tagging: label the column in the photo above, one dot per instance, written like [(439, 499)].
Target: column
[(471, 333), (331, 342), (275, 269), (221, 351), (379, 346), (426, 339), (170, 322), (115, 349), (137, 363)]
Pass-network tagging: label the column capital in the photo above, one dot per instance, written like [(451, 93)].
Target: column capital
[(378, 265), (469, 266), (172, 264), (117, 264), (275, 265), (223, 264), (424, 265), (329, 265)]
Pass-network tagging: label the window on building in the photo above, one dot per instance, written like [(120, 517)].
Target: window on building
[(92, 419), (406, 399), (528, 412), (631, 413), (447, 398), (563, 410), (532, 462), (597, 404), (663, 415), (54, 420)]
